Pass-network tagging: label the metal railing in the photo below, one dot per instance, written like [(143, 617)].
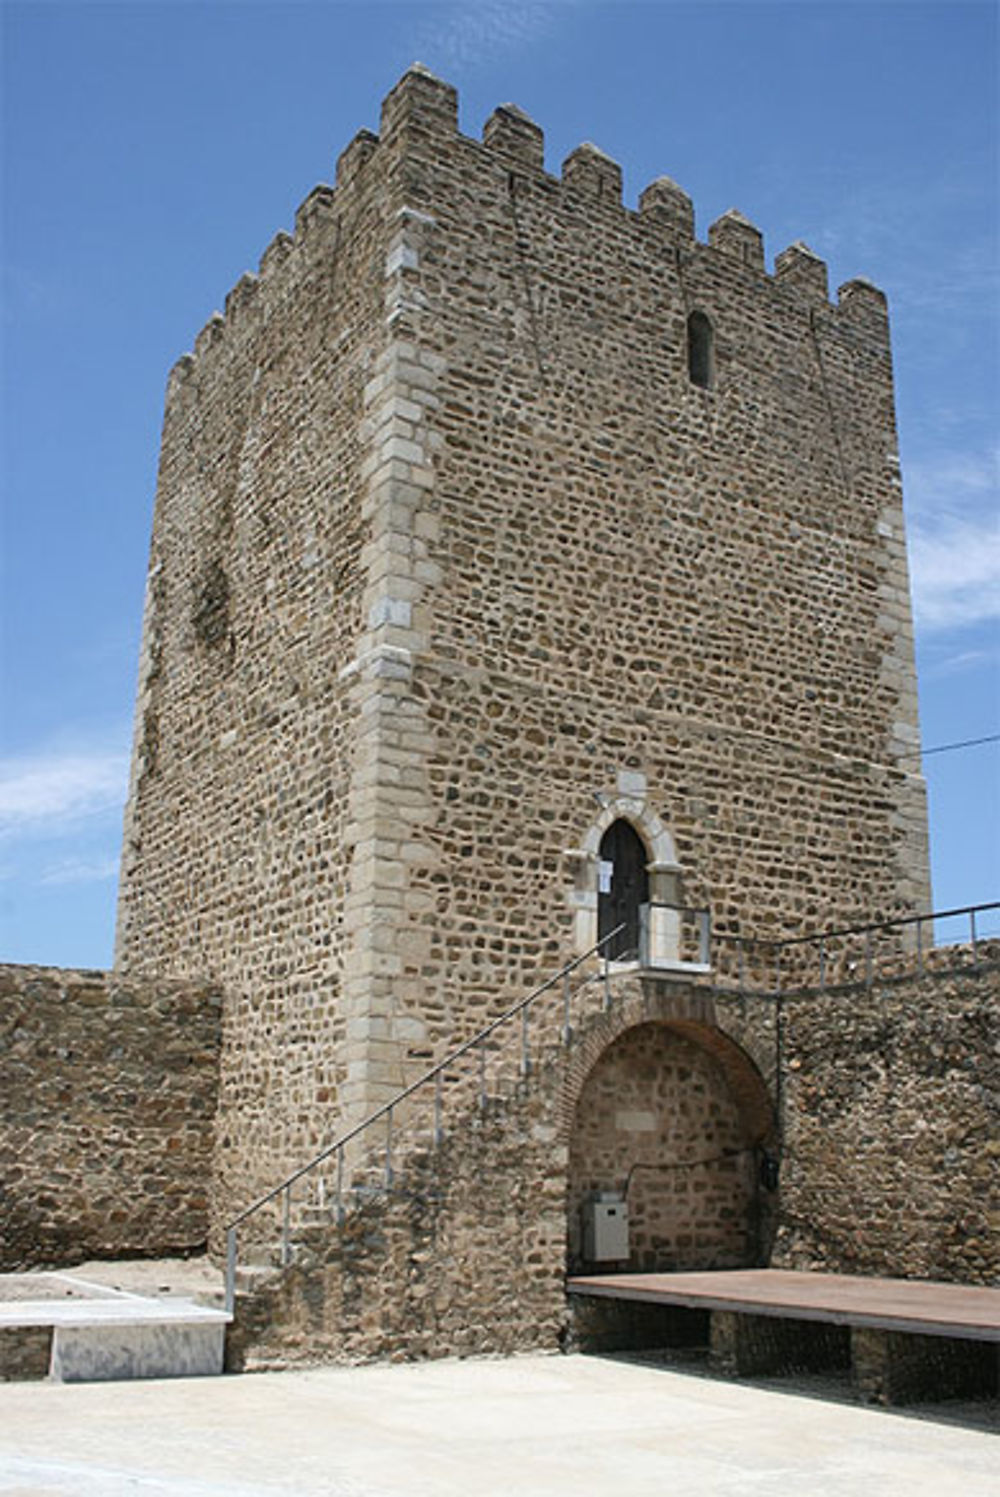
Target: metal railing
[(442, 1078), (849, 955)]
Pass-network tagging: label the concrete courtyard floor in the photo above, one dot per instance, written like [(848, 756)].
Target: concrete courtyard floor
[(537, 1426)]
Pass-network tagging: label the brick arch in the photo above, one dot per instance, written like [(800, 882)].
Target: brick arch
[(691, 1015), (662, 1104)]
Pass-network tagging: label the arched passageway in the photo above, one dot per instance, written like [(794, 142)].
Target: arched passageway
[(658, 1121)]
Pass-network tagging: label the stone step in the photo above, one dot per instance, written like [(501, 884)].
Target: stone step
[(253, 1276)]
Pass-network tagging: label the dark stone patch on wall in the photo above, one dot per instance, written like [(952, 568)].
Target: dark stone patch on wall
[(211, 610), (25, 1353), (108, 1095)]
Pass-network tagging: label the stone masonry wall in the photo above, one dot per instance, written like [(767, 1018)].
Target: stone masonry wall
[(691, 603), (450, 553), (234, 858), (892, 1126), (465, 1257), (691, 600), (108, 1095)]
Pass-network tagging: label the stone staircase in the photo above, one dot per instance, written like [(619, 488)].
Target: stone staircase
[(355, 1245), (478, 1079)]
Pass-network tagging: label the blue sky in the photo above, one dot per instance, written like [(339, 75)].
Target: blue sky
[(151, 151)]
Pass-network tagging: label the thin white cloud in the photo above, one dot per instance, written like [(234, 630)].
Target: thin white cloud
[(953, 483), (955, 570), (957, 664), (469, 34), (953, 502), (80, 871), (37, 793)]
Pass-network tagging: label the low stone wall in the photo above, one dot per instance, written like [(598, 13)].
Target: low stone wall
[(891, 1111), (108, 1093), (25, 1353)]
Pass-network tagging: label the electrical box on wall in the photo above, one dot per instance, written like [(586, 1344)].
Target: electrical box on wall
[(605, 1228)]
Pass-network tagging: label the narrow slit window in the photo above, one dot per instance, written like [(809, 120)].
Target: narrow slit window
[(700, 355)]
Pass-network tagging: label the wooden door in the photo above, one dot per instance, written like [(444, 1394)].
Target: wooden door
[(623, 885)]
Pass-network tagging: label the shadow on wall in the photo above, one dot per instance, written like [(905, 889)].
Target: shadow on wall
[(658, 1127)]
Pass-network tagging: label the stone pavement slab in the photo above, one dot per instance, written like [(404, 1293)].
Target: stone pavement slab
[(537, 1426), (194, 1278), (123, 1309)]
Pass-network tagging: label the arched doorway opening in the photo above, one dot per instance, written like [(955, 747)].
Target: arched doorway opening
[(623, 886), (626, 858), (671, 1119)]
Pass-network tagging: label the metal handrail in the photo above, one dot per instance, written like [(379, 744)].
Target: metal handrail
[(386, 1110), (821, 939), (860, 930)]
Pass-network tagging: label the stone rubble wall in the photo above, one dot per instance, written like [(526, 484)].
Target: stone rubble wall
[(108, 1098), (25, 1353), (465, 1257), (892, 1126)]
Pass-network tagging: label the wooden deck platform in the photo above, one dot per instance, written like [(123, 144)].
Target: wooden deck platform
[(918, 1306)]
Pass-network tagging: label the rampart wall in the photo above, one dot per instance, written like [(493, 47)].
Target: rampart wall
[(892, 1119), (108, 1097)]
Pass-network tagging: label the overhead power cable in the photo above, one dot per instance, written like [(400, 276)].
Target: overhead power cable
[(947, 748)]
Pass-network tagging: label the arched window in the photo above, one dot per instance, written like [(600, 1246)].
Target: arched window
[(623, 885), (701, 361)]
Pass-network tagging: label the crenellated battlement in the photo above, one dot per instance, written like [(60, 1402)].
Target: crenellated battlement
[(355, 156), (800, 267), (668, 206), (589, 171), (734, 236), (512, 133), (422, 109)]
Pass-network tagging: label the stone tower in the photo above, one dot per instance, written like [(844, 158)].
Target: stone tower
[(496, 519)]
